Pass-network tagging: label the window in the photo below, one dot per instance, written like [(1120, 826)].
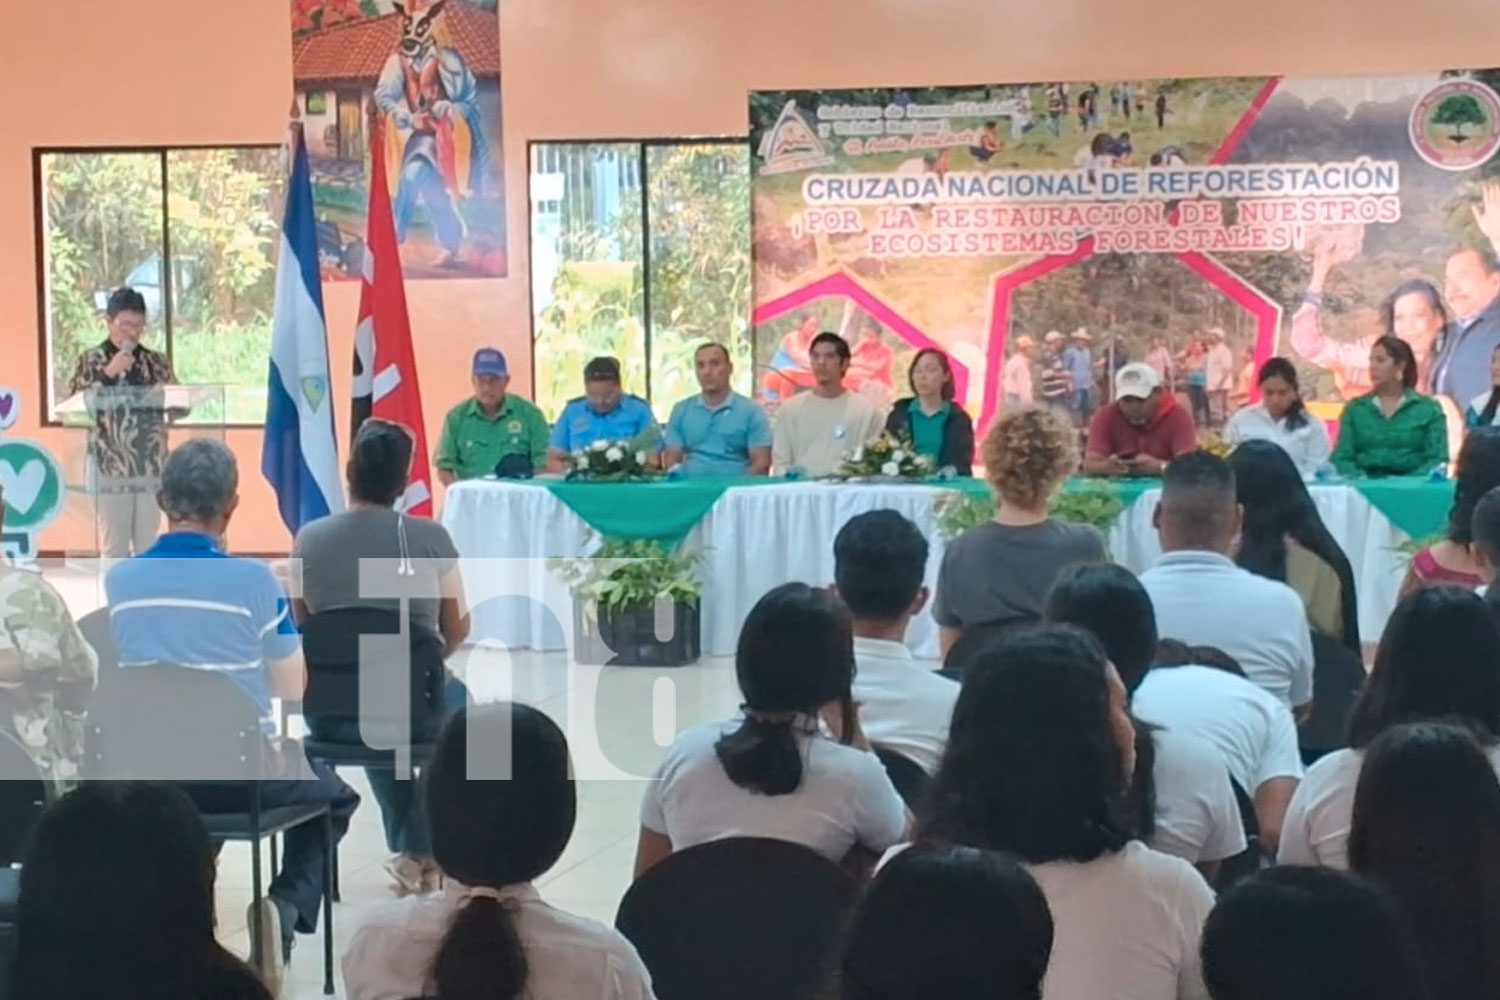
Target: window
[(639, 250), (194, 231)]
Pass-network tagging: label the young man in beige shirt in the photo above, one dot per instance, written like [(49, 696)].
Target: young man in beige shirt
[(818, 429)]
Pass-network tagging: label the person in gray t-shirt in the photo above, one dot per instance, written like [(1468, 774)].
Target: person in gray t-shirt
[(404, 557), (1001, 572)]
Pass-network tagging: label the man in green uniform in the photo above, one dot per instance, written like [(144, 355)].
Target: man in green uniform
[(492, 427)]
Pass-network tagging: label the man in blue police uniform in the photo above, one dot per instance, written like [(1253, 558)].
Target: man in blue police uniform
[(603, 413), (718, 432)]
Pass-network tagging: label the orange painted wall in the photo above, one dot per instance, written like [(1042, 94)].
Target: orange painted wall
[(146, 72)]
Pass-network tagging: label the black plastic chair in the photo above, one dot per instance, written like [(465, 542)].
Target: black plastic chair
[(97, 631), (1338, 677), (739, 919), (175, 724), (399, 692), (909, 777), (1250, 860), (23, 796)]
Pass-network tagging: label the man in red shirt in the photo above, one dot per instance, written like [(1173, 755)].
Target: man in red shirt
[(1143, 430)]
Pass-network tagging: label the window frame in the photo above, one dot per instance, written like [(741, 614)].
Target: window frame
[(168, 276), (642, 151)]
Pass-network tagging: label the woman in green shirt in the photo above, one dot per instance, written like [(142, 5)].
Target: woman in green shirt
[(929, 420), (1393, 430)]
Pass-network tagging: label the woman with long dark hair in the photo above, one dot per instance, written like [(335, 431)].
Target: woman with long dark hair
[(947, 922), (772, 772), (929, 420), (117, 900), (1284, 538), (337, 557), (1427, 828), (1439, 659), (502, 800), (1181, 794), (1038, 764), (1393, 430), (1282, 418), (1450, 562)]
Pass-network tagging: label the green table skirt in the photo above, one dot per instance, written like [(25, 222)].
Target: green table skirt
[(666, 510)]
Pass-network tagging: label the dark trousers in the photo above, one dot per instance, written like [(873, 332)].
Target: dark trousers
[(400, 799), (300, 880), (1198, 394)]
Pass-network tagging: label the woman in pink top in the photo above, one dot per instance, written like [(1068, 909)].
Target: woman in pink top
[(1450, 562)]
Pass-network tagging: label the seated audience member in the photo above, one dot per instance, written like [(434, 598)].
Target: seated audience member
[(345, 560), (717, 432), (1038, 765), (1283, 538), (1190, 811), (929, 420), (879, 560), (1438, 660), (1310, 934), (1000, 572), (1427, 828), (47, 672), (947, 922), (491, 427), (117, 900), (605, 412), (186, 602), (771, 772), (1141, 431), (503, 803), (1202, 598), (1282, 419), (1393, 430), (1452, 562), (1172, 653), (1486, 542), (818, 429)]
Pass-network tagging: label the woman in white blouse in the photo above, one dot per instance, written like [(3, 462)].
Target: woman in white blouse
[(1038, 765), (1438, 660), (501, 802), (772, 772), (1282, 417)]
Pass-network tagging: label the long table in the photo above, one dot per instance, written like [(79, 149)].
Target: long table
[(760, 533)]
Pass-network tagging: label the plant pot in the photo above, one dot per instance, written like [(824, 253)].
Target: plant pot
[(631, 636)]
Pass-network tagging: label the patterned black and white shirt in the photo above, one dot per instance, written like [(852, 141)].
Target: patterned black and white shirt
[(129, 438)]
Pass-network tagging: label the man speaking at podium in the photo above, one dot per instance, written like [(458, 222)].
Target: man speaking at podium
[(128, 443)]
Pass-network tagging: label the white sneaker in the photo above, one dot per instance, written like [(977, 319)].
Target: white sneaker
[(272, 965), (406, 874)]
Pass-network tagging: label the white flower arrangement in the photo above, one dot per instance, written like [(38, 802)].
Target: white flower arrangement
[(611, 461), (886, 457)]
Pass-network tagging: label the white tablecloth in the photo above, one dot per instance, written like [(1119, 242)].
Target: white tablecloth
[(759, 537)]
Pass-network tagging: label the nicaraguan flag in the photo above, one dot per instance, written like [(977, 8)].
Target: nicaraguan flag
[(300, 456)]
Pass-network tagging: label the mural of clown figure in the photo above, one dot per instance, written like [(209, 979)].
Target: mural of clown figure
[(434, 142)]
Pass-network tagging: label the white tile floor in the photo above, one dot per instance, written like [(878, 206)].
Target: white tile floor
[(638, 712)]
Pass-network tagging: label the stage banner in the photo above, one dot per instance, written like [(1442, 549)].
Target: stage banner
[(430, 70), (1201, 226)]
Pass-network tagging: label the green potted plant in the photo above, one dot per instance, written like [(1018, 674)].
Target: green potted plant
[(635, 603)]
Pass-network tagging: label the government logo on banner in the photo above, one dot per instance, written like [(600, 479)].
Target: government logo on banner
[(1456, 125), (792, 144)]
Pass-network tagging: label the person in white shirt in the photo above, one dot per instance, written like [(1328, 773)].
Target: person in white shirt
[(1195, 814), (772, 772), (1254, 733), (1310, 934), (1219, 369), (1038, 765), (1018, 385), (948, 922), (1281, 417), (1203, 599), (502, 803), (1439, 659), (879, 559), (818, 429)]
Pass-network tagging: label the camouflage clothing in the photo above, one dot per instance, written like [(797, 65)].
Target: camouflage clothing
[(129, 440), (41, 653)]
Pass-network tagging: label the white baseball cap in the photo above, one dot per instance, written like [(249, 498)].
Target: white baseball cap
[(1136, 381)]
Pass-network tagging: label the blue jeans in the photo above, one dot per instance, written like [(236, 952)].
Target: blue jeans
[(421, 181), (1083, 401), (402, 811)]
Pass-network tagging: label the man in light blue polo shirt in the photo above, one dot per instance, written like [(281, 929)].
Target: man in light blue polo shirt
[(603, 413), (718, 432), (185, 602)]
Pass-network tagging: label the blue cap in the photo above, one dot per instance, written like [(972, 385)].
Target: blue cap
[(488, 361)]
